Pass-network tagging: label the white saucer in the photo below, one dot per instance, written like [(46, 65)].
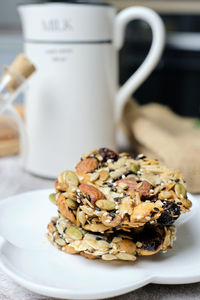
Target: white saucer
[(38, 266)]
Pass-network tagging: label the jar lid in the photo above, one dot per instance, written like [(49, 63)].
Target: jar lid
[(89, 2), (67, 22)]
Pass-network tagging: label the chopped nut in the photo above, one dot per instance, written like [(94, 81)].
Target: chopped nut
[(81, 217), (116, 174), (123, 185), (94, 177), (165, 195), (138, 244), (109, 221), (126, 256), (108, 257), (104, 175)]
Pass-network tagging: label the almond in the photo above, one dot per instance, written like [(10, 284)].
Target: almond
[(143, 187), (92, 191), (87, 165), (65, 210)]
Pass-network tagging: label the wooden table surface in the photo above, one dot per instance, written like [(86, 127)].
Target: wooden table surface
[(14, 180)]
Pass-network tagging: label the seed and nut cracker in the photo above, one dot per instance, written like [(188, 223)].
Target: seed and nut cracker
[(119, 191), (119, 246)]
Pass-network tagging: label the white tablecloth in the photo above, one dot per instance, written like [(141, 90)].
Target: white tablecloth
[(14, 180)]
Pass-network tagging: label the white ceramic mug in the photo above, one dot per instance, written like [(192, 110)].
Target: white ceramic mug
[(73, 102)]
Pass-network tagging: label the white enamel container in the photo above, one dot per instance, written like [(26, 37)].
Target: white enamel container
[(73, 102)]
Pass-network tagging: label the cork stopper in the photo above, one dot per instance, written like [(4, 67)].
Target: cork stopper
[(22, 66), (19, 71)]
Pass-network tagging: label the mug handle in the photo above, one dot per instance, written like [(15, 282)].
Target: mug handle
[(150, 62)]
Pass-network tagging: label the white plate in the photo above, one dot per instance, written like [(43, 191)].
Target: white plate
[(41, 268)]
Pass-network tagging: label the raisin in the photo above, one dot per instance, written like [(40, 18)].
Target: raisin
[(150, 238), (151, 245), (108, 154), (170, 214)]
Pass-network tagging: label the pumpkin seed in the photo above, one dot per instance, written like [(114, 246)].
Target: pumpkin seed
[(60, 242), (135, 168), (74, 233), (71, 203), (68, 177), (105, 204), (52, 198), (180, 190)]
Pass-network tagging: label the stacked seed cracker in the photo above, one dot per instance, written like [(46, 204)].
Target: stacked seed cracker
[(116, 207)]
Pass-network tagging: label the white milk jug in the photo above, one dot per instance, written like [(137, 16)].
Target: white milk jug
[(73, 102)]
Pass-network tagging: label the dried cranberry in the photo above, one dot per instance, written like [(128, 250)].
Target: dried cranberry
[(108, 154)]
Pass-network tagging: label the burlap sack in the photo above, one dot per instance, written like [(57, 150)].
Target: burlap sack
[(158, 132)]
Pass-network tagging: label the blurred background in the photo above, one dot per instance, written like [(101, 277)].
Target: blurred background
[(175, 81), (164, 121)]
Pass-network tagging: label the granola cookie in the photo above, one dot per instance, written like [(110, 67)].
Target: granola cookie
[(109, 192), (119, 246)]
